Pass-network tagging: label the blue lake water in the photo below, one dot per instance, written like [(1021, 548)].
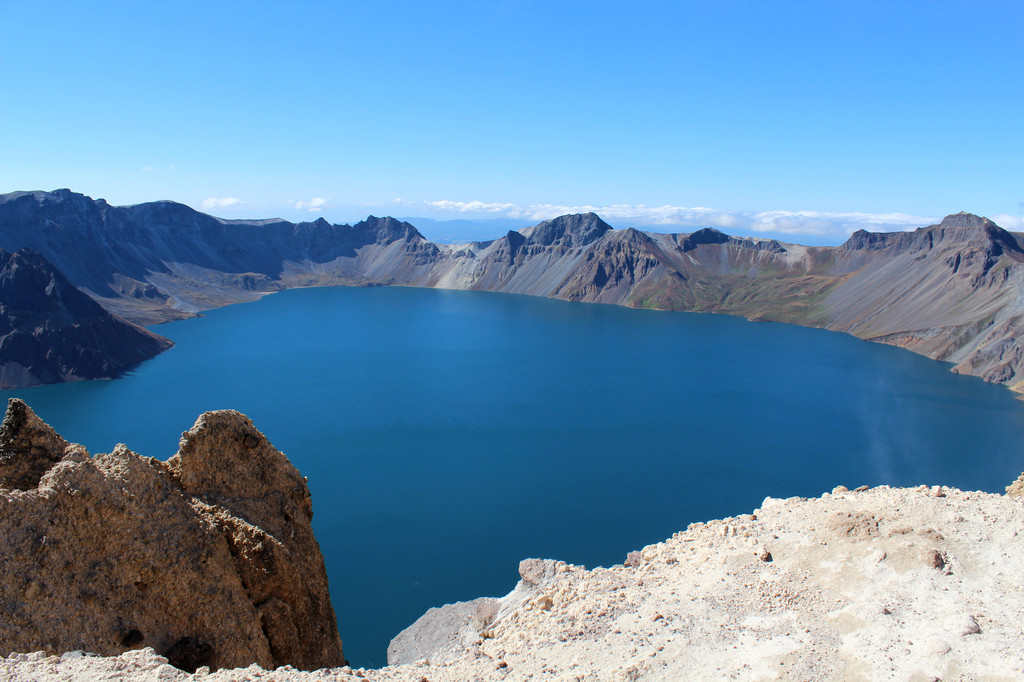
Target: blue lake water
[(447, 435)]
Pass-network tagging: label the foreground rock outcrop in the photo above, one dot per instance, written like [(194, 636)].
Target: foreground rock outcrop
[(883, 583), (209, 558)]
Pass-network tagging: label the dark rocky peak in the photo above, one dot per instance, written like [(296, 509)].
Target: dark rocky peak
[(958, 231), (10, 197), (629, 236), (515, 240), (59, 207), (80, 204), (763, 245), (707, 235), (317, 225), (50, 331), (973, 230), (964, 219), (30, 285), (61, 196), (578, 229), (862, 240), (1003, 240), (894, 243), (387, 229), (167, 214), (317, 229), (509, 245)]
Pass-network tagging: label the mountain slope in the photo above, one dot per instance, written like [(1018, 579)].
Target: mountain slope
[(950, 291), (160, 261), (50, 331)]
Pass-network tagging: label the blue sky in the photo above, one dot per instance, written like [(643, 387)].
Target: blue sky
[(807, 118)]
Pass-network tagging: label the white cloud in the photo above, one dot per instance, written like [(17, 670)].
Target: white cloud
[(824, 223), (470, 206), (683, 217), (314, 205), (1009, 222), (211, 203)]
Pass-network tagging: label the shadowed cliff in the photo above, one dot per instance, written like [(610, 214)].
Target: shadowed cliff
[(50, 331)]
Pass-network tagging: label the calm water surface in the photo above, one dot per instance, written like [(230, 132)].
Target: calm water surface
[(447, 435)]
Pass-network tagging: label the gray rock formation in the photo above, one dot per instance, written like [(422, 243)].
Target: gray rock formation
[(443, 635), (50, 331), (209, 558)]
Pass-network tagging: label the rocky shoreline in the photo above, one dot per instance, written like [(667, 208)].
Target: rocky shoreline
[(905, 583)]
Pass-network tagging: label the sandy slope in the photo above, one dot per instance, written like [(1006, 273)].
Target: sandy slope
[(910, 584)]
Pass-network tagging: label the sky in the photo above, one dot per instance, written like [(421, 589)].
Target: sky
[(809, 119)]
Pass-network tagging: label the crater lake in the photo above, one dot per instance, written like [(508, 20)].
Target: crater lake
[(449, 434)]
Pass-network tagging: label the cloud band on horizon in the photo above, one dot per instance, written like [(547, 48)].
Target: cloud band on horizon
[(818, 223)]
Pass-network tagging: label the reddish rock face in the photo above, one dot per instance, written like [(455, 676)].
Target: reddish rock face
[(209, 558)]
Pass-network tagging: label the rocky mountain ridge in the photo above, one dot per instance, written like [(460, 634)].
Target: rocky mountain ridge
[(162, 260), (50, 331), (950, 291)]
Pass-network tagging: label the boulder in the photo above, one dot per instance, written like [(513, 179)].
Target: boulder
[(209, 558)]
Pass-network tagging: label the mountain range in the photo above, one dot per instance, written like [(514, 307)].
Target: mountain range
[(951, 291)]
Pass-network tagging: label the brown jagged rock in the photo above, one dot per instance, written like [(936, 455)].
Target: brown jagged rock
[(28, 447), (1016, 489), (209, 558)]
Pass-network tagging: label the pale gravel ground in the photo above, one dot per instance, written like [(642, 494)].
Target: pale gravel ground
[(904, 584)]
